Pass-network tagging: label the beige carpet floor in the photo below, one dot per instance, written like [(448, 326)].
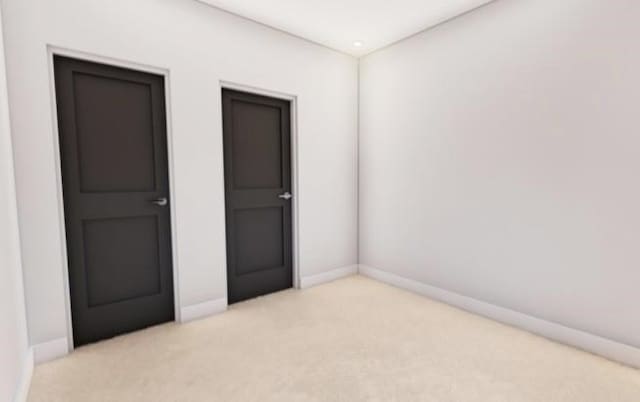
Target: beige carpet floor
[(350, 340)]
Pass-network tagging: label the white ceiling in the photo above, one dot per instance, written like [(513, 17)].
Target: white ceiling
[(339, 23)]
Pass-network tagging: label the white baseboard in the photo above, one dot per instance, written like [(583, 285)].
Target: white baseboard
[(22, 389), (313, 280), (202, 310), (582, 340), (46, 351)]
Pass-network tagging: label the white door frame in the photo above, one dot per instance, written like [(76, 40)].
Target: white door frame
[(293, 100), (51, 52)]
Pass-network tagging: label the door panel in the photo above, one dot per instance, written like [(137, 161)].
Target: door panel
[(259, 239), (121, 258), (257, 137), (257, 159), (113, 124), (112, 128)]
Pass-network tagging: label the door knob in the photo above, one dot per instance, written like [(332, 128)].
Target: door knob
[(285, 196), (161, 202)]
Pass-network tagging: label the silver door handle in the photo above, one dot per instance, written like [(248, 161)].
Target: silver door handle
[(285, 196), (161, 202)]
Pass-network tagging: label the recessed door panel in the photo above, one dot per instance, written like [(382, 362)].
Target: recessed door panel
[(259, 239), (114, 127), (257, 137), (121, 259)]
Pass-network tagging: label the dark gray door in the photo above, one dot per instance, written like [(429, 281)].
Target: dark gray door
[(257, 165), (113, 148)]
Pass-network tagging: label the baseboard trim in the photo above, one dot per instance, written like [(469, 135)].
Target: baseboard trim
[(46, 351), (202, 310), (317, 279), (22, 390), (595, 344)]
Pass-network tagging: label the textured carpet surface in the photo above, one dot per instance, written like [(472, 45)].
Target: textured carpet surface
[(350, 340)]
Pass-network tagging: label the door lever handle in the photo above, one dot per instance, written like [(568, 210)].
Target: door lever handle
[(285, 196), (161, 202)]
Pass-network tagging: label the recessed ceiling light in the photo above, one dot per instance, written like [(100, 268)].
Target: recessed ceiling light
[(357, 43)]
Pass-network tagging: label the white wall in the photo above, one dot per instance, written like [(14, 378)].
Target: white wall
[(499, 159), (13, 329), (200, 46)]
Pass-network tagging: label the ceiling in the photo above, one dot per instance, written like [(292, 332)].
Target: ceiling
[(338, 24)]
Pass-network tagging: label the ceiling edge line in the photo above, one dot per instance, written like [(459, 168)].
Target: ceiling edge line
[(204, 3), (427, 29)]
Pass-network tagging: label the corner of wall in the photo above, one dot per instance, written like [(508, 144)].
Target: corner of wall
[(328, 276), (22, 388), (50, 350), (357, 157), (595, 344)]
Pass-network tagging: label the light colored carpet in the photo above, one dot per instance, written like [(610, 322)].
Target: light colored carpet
[(350, 340)]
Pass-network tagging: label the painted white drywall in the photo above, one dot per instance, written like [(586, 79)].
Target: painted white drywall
[(13, 327), (200, 46), (499, 159)]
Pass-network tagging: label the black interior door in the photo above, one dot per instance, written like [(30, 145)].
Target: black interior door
[(113, 148), (257, 164)]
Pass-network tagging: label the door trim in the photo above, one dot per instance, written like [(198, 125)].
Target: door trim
[(295, 188), (80, 55)]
